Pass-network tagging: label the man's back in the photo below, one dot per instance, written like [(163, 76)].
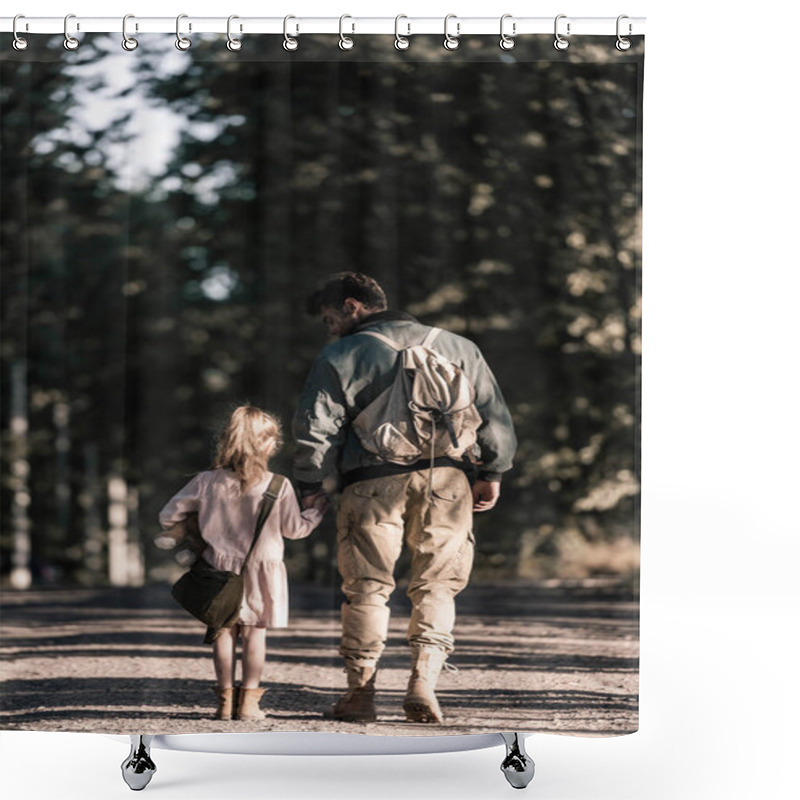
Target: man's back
[(353, 371)]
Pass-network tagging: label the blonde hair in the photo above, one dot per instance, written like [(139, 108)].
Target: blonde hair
[(248, 441)]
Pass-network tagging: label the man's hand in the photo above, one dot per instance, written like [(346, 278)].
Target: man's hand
[(485, 495)]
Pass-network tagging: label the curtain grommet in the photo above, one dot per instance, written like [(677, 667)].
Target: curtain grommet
[(451, 42), (128, 42), (70, 42), (233, 44), (623, 43), (346, 42), (560, 43), (401, 42), (20, 43), (507, 42), (183, 43), (290, 43)]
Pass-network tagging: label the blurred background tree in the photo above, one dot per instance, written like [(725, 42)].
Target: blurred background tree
[(495, 195)]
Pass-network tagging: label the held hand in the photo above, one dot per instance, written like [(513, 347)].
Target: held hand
[(485, 495), (322, 503), (310, 500)]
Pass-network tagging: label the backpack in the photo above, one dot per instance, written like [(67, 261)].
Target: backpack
[(428, 411)]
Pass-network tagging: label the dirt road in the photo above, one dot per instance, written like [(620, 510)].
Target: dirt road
[(548, 658)]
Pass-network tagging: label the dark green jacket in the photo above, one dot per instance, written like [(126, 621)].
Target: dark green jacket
[(351, 372)]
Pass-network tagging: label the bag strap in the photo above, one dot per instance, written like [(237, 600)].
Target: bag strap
[(427, 341), (430, 338), (268, 500), (385, 339)]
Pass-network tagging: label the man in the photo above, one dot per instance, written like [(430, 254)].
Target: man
[(428, 504)]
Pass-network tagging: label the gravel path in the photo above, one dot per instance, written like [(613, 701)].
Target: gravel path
[(547, 658)]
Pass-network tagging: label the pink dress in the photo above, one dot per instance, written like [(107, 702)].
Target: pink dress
[(227, 522)]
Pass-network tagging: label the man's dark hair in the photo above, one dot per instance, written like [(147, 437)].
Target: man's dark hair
[(343, 285)]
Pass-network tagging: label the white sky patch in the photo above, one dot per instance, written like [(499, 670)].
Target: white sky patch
[(207, 187), (220, 283), (141, 135), (152, 132)]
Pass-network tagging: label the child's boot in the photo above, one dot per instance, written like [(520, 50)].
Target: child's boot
[(247, 706), (225, 698)]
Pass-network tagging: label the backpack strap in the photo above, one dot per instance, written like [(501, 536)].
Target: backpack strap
[(268, 500), (385, 339), (431, 337), (426, 342)]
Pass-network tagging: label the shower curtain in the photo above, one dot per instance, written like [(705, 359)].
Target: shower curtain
[(165, 215)]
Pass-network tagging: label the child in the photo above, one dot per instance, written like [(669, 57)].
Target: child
[(226, 499)]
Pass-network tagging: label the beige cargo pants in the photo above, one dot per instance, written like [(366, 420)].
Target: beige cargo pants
[(375, 517)]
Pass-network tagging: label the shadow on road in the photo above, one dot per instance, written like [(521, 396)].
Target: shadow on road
[(562, 657)]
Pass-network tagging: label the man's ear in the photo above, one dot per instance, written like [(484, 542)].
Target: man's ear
[(350, 305)]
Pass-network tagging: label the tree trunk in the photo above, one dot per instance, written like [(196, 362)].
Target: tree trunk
[(117, 531), (21, 577)]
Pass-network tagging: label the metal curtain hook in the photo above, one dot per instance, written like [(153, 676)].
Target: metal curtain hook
[(128, 43), (623, 43), (182, 42), (233, 44), (70, 42), (451, 42), (345, 42), (401, 42), (290, 43), (560, 42), (19, 42), (507, 42)]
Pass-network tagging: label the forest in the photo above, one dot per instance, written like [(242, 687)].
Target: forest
[(165, 214)]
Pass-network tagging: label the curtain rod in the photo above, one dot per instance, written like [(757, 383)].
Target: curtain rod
[(347, 24)]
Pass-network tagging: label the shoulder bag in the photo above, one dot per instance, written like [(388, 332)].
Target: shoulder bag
[(215, 596)]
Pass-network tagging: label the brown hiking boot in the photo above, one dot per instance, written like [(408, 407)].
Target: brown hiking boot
[(247, 707), (225, 698), (358, 703), (420, 703)]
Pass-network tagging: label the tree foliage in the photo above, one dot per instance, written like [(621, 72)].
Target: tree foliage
[(498, 197)]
